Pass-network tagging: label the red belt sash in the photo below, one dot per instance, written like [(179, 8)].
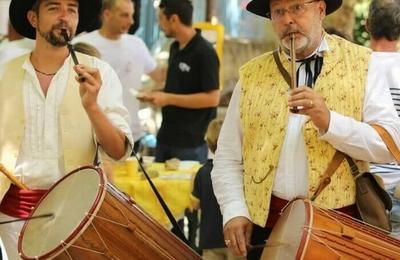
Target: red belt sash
[(277, 204), (19, 203)]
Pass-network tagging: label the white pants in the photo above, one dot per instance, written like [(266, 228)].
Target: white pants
[(9, 234)]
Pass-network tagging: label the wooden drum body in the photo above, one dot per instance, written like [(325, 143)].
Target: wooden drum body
[(308, 232), (93, 220)]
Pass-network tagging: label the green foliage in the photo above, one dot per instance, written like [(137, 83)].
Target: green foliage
[(361, 35)]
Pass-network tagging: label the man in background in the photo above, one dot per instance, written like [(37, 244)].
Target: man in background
[(14, 45), (383, 25), (191, 92), (127, 55)]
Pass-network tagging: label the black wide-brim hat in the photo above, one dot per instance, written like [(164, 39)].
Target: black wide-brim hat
[(89, 11), (261, 7)]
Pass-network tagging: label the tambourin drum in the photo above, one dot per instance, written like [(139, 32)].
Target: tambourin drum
[(307, 232), (93, 220)]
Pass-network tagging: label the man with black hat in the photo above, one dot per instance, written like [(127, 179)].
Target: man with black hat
[(270, 153), (54, 112)]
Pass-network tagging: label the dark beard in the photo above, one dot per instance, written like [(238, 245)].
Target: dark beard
[(52, 38)]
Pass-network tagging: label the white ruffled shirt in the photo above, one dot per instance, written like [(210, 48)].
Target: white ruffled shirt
[(40, 161)]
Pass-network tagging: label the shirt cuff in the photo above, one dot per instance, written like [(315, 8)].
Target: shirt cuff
[(119, 122), (235, 209), (337, 126)]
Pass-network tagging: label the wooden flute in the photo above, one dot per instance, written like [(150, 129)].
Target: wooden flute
[(293, 83)]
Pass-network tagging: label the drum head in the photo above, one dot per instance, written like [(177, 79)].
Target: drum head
[(70, 199), (286, 236)]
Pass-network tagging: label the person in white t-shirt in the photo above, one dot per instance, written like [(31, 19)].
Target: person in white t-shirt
[(383, 25), (127, 54), (15, 45)]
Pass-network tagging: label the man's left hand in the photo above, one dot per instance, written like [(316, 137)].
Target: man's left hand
[(309, 103), (157, 98), (89, 84)]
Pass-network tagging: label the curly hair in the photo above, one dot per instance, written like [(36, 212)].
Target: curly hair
[(384, 19)]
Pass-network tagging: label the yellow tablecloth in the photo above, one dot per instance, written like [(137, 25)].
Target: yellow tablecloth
[(174, 186)]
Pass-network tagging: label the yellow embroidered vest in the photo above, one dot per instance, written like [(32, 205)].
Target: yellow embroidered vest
[(264, 117), (76, 130)]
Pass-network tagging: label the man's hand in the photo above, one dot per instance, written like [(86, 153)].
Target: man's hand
[(89, 85), (157, 98), (310, 103), (237, 235)]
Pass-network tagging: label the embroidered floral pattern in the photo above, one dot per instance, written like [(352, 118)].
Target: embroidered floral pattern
[(263, 111)]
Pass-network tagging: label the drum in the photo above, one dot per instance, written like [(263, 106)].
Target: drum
[(308, 232), (93, 220)]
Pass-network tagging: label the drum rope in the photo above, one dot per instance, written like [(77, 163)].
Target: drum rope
[(336, 215), (342, 219), (152, 244), (324, 243), (122, 212), (101, 239), (138, 233), (108, 220), (65, 245), (66, 250), (368, 228), (339, 234), (87, 249), (326, 213)]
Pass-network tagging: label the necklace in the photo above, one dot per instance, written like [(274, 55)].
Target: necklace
[(46, 74)]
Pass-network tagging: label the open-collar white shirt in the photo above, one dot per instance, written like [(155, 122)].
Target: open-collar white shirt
[(40, 161)]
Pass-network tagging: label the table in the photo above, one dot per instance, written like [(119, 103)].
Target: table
[(174, 186)]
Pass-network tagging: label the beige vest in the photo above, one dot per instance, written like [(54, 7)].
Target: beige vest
[(264, 117), (76, 131)]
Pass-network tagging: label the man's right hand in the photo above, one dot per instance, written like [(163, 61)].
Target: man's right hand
[(237, 234)]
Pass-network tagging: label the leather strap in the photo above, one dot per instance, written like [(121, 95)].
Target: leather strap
[(391, 145), (326, 179), (353, 166), (282, 70), (339, 156), (175, 227)]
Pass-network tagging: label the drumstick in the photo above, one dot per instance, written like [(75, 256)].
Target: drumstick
[(293, 71), (12, 178), (28, 218)]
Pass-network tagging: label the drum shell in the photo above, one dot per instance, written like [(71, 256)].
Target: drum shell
[(328, 234), (121, 230)]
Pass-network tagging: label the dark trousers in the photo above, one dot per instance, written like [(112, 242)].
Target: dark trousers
[(258, 237), (166, 152)]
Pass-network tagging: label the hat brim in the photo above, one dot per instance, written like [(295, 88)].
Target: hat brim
[(261, 7), (89, 11)]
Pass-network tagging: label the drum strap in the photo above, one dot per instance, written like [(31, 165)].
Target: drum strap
[(339, 156), (96, 159), (175, 227), (391, 145), (326, 179)]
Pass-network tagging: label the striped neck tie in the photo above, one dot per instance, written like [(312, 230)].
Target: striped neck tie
[(311, 75)]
